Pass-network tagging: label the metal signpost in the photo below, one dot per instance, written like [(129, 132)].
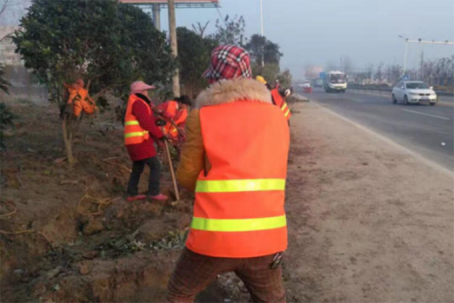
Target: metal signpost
[(420, 41), (156, 6)]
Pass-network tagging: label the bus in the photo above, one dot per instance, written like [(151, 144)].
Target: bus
[(335, 81)]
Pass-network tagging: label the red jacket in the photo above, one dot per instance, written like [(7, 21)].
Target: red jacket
[(146, 149), (168, 109)]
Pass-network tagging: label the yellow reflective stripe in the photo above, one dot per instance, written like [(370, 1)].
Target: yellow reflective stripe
[(135, 134), (287, 113), (131, 123), (235, 225), (217, 186), (284, 106)]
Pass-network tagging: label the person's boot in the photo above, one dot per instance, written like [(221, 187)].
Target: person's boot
[(135, 198)]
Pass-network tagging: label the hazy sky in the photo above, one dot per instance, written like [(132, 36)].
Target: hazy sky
[(319, 31)]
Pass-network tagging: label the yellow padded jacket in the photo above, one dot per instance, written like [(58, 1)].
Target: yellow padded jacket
[(193, 159)]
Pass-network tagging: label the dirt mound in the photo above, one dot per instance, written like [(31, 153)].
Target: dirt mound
[(67, 234)]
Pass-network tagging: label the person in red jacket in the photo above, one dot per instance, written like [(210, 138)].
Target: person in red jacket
[(140, 133)]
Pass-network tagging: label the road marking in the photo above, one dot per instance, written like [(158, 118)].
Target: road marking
[(428, 162), (434, 116), (359, 101)]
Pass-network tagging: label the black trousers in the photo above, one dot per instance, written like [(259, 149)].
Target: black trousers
[(137, 170)]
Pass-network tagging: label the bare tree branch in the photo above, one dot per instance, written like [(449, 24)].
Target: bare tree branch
[(6, 5), (200, 30)]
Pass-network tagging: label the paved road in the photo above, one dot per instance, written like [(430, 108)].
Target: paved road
[(427, 130)]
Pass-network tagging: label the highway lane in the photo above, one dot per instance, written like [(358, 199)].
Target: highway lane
[(424, 129)]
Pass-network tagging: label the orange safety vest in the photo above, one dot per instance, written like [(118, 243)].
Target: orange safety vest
[(171, 111), (183, 116), (170, 128), (72, 94), (78, 97), (239, 202), (279, 101), (172, 108), (134, 133)]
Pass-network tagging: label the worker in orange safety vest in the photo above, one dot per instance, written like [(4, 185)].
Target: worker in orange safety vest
[(278, 99), (184, 104), (235, 161), (175, 113), (140, 133)]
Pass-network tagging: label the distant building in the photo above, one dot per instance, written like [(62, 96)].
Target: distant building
[(23, 84), (7, 47)]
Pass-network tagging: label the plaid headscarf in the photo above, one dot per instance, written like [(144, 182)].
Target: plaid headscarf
[(228, 62)]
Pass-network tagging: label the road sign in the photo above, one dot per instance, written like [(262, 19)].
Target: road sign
[(165, 1), (406, 78), (178, 3), (322, 75)]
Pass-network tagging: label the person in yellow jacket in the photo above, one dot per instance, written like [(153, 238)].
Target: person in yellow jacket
[(235, 161)]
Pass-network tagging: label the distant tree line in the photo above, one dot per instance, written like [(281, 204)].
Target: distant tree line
[(380, 74), (439, 72), (194, 51), (436, 72)]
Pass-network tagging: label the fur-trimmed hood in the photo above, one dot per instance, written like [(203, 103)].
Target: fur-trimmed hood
[(228, 91)]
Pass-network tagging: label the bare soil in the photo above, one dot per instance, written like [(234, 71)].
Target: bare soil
[(367, 221), (67, 234)]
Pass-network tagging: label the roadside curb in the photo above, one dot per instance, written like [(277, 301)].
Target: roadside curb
[(298, 98)]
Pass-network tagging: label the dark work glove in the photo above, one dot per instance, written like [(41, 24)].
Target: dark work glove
[(160, 122)]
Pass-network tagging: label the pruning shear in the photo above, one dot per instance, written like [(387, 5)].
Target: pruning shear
[(277, 259)]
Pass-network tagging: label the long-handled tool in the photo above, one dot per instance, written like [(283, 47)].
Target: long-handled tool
[(181, 134), (172, 172)]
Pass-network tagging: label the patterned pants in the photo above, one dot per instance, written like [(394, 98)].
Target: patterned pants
[(194, 272)]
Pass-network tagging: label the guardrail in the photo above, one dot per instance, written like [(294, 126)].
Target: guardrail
[(389, 89)]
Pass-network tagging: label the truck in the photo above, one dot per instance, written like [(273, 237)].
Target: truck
[(317, 82), (335, 81)]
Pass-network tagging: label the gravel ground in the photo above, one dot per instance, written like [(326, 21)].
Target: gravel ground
[(368, 220)]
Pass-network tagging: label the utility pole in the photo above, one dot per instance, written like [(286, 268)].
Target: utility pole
[(261, 17), (421, 65), (173, 45), (261, 31), (156, 8), (405, 56)]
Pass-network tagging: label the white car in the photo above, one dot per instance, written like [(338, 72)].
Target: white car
[(304, 84), (413, 92)]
